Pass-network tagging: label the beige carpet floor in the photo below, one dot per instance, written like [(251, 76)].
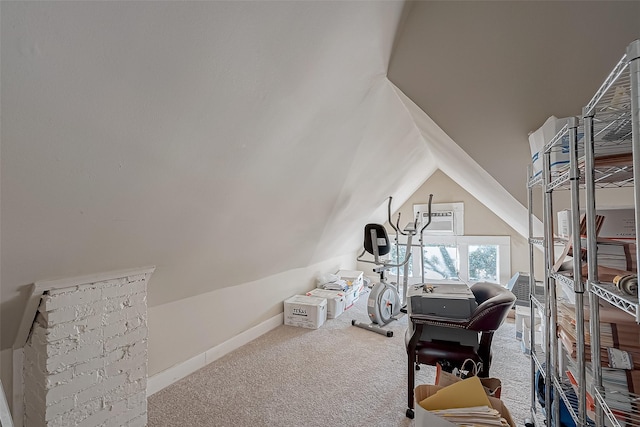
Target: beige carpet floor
[(337, 375)]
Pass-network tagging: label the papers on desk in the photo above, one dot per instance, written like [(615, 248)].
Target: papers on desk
[(441, 291)]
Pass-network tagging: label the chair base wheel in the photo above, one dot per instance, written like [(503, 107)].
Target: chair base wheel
[(410, 413)]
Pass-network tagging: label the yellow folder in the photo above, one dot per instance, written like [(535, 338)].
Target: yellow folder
[(463, 394)]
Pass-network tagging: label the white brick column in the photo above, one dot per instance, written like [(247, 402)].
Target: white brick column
[(85, 361)]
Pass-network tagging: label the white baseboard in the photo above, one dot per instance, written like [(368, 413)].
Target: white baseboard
[(169, 376)]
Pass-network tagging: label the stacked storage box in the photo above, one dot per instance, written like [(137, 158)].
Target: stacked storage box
[(336, 301), (305, 311), (541, 137), (313, 309), (355, 284)]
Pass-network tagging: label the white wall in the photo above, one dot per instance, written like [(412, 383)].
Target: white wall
[(206, 136), (181, 332), (479, 220), (187, 328)]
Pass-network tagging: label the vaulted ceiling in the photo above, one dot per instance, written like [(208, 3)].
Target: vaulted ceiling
[(228, 141), (488, 72)]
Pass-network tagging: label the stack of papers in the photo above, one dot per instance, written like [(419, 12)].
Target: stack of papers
[(477, 416), (338, 285), (467, 393), (617, 330), (463, 403)]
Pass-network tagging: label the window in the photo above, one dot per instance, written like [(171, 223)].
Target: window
[(395, 259), (483, 263), (467, 258), (440, 261)]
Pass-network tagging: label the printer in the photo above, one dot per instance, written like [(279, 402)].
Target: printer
[(453, 300)]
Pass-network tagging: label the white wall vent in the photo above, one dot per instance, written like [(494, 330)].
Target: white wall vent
[(446, 218)]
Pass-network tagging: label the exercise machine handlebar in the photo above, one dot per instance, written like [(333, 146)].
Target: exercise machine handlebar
[(396, 228), (429, 216), (421, 240)]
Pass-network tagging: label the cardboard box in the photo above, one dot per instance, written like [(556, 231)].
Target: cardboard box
[(544, 135), (305, 311), (350, 297), (618, 223), (424, 418), (525, 344), (335, 301), (354, 293), (355, 281), (564, 223), (352, 277), (522, 320)]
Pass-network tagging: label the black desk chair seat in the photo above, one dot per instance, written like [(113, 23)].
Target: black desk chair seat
[(494, 302)]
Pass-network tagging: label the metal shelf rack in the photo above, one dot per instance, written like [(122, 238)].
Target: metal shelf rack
[(545, 357), (604, 152), (612, 128)]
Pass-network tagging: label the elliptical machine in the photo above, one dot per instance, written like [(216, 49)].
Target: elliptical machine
[(384, 304)]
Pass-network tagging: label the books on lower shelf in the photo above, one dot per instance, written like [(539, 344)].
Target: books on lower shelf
[(618, 385), (617, 330)]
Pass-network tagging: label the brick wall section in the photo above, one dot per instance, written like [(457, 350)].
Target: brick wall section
[(85, 362)]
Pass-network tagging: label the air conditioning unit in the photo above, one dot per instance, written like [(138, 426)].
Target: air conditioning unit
[(446, 218), (441, 222)]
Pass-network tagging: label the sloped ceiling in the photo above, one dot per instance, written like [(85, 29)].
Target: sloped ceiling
[(222, 142), (490, 72), (225, 142)]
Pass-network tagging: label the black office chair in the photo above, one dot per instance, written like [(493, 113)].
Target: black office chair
[(494, 302)]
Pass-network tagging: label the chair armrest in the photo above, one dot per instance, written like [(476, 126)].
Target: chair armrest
[(413, 341)]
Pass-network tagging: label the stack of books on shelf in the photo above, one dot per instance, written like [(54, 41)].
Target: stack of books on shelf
[(618, 331), (614, 256), (618, 383)]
